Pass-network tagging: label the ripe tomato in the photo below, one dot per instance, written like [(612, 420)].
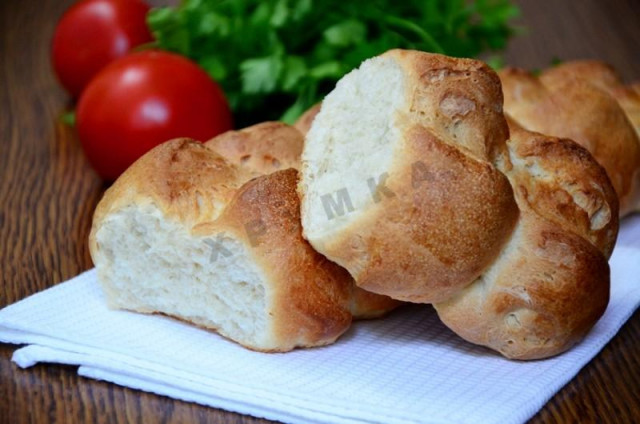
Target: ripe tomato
[(91, 34), (142, 100)]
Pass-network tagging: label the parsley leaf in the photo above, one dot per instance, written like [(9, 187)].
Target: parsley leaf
[(276, 58)]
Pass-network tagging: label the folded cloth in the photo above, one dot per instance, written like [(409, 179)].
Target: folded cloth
[(406, 368)]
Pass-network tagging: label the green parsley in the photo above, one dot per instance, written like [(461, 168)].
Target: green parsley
[(276, 58)]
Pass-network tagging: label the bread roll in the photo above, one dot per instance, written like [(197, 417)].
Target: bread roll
[(567, 102), (187, 233), (550, 284), (407, 180), (397, 182)]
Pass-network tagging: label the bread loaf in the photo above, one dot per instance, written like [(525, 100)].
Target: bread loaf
[(407, 181), (199, 233), (572, 101)]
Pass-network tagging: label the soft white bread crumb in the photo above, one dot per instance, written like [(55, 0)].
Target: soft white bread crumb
[(154, 264), (352, 140)]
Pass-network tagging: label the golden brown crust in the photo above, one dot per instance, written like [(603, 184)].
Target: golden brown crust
[(310, 297), (605, 78), (562, 104), (539, 299), (562, 182), (458, 100), (596, 72), (262, 148), (368, 305), (313, 294), (551, 283), (190, 182), (451, 214)]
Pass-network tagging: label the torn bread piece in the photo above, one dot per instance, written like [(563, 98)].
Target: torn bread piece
[(186, 233), (397, 182)]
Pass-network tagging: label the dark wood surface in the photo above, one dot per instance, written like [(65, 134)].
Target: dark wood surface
[(48, 192)]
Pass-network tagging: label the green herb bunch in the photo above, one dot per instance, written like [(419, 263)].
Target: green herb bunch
[(276, 58)]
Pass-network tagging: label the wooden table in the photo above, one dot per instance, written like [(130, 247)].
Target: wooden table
[(48, 192)]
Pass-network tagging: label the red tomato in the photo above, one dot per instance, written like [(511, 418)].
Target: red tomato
[(93, 33), (142, 100)]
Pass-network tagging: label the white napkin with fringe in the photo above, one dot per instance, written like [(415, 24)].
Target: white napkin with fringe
[(408, 368)]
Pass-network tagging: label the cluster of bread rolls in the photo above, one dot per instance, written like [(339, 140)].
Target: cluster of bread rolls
[(413, 186)]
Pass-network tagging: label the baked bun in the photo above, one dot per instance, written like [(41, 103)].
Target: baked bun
[(408, 182), (573, 101), (187, 233), (397, 182), (550, 283)]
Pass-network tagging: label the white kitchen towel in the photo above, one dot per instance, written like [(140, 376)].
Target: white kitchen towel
[(408, 368)]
